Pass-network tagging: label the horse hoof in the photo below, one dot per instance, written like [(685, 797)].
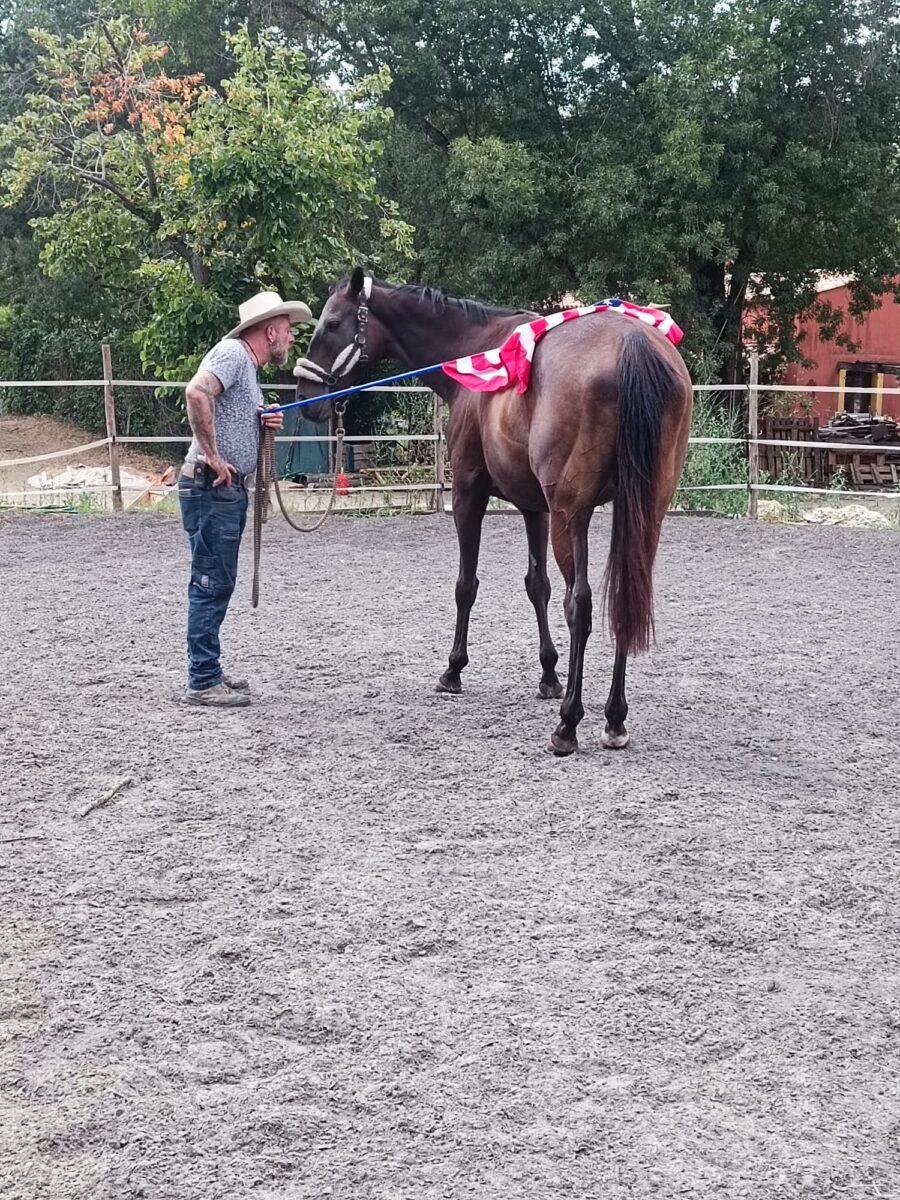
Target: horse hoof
[(561, 746), (614, 741), (549, 691), (451, 687)]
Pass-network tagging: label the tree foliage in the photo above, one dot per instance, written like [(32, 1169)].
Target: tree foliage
[(694, 153), (670, 151), (193, 197)]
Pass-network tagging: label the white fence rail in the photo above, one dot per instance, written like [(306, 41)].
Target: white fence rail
[(438, 483)]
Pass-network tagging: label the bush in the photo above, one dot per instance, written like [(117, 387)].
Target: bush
[(715, 416)]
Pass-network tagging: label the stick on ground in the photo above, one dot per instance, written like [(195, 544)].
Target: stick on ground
[(107, 796)]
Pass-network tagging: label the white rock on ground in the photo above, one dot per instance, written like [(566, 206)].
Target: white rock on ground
[(771, 510), (852, 516)]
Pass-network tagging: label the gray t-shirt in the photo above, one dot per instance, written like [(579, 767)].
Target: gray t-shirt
[(235, 410)]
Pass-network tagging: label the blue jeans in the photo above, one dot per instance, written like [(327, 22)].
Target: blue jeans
[(214, 520)]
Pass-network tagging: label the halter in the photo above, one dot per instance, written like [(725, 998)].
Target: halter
[(349, 357)]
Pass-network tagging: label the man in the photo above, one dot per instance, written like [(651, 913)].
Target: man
[(224, 408)]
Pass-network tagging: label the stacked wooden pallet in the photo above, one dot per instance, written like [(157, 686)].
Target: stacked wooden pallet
[(821, 468)]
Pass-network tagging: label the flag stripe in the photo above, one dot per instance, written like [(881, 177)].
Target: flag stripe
[(510, 364)]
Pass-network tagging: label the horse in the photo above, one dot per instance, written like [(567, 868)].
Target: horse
[(605, 417)]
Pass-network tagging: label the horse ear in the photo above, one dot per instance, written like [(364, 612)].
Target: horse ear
[(357, 279)]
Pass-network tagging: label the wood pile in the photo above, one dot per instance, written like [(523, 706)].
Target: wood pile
[(860, 427), (866, 470), (819, 468)]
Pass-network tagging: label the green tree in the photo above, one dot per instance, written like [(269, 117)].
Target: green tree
[(190, 196), (673, 152), (685, 153), (49, 327)]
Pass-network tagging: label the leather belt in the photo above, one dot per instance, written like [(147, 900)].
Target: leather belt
[(198, 470)]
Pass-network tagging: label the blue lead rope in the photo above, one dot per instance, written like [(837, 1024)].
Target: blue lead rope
[(352, 391)]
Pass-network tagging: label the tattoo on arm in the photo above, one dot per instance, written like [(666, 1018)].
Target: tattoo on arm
[(200, 396)]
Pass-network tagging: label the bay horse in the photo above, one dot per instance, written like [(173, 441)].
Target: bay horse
[(606, 416)]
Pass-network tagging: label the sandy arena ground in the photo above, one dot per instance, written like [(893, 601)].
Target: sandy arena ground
[(366, 941)]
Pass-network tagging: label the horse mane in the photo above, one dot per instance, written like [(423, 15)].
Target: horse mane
[(474, 310)]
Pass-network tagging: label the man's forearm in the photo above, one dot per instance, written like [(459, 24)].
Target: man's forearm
[(200, 415)]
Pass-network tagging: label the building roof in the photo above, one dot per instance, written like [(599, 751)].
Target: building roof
[(827, 283)]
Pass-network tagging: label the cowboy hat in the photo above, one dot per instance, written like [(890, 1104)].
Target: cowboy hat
[(265, 306)]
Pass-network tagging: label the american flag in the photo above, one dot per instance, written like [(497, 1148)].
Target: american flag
[(495, 370)]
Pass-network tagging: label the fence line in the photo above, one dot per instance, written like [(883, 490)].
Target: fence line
[(167, 383), (62, 490), (36, 458), (751, 440), (799, 388), (325, 437), (814, 491), (848, 447), (715, 487)]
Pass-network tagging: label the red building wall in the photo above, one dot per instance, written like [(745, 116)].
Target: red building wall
[(878, 337)]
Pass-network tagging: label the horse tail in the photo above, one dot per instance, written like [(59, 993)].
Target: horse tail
[(646, 384)]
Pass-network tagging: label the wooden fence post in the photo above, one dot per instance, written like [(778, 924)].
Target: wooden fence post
[(109, 405), (753, 435), (439, 475)]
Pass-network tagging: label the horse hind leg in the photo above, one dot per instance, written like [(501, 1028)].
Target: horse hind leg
[(568, 532), (469, 508), (537, 586), (615, 736)]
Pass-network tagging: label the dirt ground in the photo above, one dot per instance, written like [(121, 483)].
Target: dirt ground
[(27, 436), (366, 941)]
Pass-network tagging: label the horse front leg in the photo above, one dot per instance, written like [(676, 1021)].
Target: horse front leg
[(537, 585), (569, 535), (469, 507)]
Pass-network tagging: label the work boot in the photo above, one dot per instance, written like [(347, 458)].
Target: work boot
[(219, 696), (236, 685)]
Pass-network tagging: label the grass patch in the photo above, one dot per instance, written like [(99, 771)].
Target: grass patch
[(709, 466)]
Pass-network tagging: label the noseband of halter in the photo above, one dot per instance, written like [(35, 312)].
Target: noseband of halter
[(349, 357)]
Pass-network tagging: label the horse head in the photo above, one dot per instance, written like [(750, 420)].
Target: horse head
[(345, 341)]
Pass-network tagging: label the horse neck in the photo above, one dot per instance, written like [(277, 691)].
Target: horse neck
[(420, 335)]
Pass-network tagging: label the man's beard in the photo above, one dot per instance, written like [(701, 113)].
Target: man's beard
[(279, 355)]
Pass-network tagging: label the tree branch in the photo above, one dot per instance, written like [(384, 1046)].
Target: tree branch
[(152, 185), (348, 47), (152, 219), (199, 269)]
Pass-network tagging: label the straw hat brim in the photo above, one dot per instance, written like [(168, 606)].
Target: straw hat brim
[(295, 309)]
